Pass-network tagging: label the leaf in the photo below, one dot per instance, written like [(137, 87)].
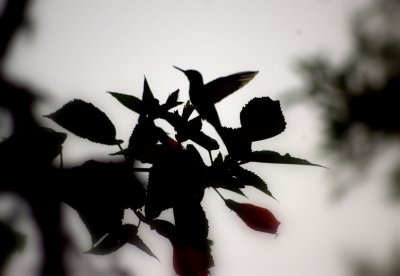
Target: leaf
[(187, 111), (147, 94), (100, 192), (262, 118), (267, 156), (138, 242), (236, 141), (113, 241), (172, 100), (202, 139), (176, 176), (164, 228), (86, 121), (129, 101), (248, 178), (219, 175)]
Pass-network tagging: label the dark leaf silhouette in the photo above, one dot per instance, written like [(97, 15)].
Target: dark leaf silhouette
[(191, 130), (248, 178), (262, 118), (151, 104), (221, 175), (138, 242), (164, 228), (172, 100), (236, 141), (267, 156), (111, 188), (114, 240), (176, 176), (148, 96), (129, 101), (143, 140), (86, 121), (257, 218), (187, 111)]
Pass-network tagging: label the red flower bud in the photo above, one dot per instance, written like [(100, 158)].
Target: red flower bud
[(257, 218), (190, 261)]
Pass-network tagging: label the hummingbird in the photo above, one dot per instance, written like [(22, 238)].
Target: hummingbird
[(205, 96)]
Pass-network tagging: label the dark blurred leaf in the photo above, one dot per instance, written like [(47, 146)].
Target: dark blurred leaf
[(267, 156), (114, 240), (100, 192), (86, 121), (53, 141), (262, 118), (138, 242), (129, 101), (10, 242), (39, 146), (147, 94)]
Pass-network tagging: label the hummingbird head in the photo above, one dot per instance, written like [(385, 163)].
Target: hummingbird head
[(194, 76)]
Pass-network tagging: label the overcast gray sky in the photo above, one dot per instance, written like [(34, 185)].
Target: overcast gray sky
[(81, 49)]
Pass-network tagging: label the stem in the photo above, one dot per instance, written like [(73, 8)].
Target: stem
[(215, 189), (61, 160), (121, 149), (141, 217), (141, 169), (209, 153)]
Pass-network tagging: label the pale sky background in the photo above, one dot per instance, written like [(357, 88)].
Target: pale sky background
[(81, 49)]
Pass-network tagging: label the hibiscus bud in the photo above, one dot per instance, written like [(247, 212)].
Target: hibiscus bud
[(190, 261), (257, 218)]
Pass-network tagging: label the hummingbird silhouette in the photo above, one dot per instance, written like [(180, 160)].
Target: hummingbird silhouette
[(205, 96)]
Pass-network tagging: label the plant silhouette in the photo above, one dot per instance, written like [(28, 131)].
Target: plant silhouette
[(177, 174)]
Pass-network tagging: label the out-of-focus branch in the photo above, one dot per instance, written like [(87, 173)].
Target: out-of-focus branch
[(11, 19)]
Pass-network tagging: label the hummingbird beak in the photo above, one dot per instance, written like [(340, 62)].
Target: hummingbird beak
[(180, 69)]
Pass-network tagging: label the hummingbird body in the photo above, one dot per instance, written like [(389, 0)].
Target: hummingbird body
[(204, 96)]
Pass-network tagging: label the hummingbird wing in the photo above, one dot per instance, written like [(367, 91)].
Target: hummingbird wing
[(220, 88)]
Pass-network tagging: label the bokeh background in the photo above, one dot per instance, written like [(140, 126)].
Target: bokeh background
[(316, 56)]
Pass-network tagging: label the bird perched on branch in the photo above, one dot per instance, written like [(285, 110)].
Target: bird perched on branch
[(204, 96)]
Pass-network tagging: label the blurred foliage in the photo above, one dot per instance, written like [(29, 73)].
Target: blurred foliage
[(367, 267), (360, 97)]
